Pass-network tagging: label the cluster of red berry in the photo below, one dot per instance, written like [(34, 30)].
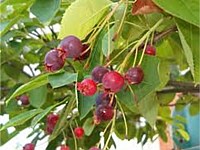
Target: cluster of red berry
[(51, 122), (69, 47)]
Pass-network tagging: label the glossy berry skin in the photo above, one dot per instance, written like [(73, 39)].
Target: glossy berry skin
[(85, 53), (24, 99), (29, 146), (64, 147), (105, 99), (87, 87), (113, 81), (104, 113), (150, 50), (70, 47), (52, 119), (79, 132), (98, 73), (94, 148), (52, 61), (134, 75)]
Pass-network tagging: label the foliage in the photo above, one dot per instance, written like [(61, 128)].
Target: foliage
[(117, 39)]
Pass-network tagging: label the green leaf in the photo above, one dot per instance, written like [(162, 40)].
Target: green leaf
[(21, 118), (38, 96), (45, 10), (161, 129), (81, 16), (107, 42), (61, 79), (85, 104), (6, 25), (184, 134), (189, 36), (36, 82), (88, 126), (148, 107), (194, 108), (184, 9), (151, 79)]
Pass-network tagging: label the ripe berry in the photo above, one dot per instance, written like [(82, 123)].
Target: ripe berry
[(52, 61), (87, 87), (94, 148), (70, 47), (150, 50), (113, 81), (85, 53), (134, 75), (79, 132), (105, 99), (29, 146), (64, 147), (51, 122), (24, 99), (98, 73), (104, 113)]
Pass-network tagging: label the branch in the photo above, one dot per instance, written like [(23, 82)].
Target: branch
[(179, 86)]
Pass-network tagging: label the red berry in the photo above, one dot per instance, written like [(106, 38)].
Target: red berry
[(52, 119), (29, 146), (134, 75), (24, 99), (105, 99), (64, 147), (98, 73), (113, 81), (104, 113), (87, 87), (85, 53), (70, 47), (150, 50), (94, 148), (79, 132), (52, 61)]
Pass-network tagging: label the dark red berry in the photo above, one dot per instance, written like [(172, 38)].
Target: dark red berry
[(87, 87), (52, 61), (104, 113), (64, 147), (98, 73), (150, 50), (79, 132), (105, 99), (70, 47), (113, 81), (94, 148), (24, 99), (29, 146), (85, 53), (52, 119), (134, 75)]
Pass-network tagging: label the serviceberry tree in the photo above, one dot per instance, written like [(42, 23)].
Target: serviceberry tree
[(73, 69)]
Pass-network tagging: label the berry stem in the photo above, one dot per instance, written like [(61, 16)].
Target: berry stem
[(135, 59), (144, 48), (124, 117), (139, 43), (74, 137), (111, 130)]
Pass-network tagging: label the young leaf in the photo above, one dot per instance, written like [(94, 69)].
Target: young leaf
[(21, 118), (184, 134), (88, 126), (61, 79), (37, 82), (189, 36), (45, 10), (184, 9), (81, 16)]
